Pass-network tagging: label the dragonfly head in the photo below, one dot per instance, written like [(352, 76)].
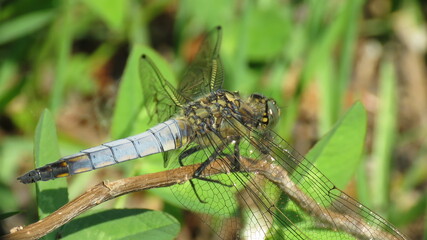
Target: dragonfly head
[(270, 110)]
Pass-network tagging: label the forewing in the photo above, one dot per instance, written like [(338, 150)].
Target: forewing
[(160, 98), (205, 74)]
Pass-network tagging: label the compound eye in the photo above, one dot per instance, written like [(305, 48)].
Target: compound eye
[(273, 112)]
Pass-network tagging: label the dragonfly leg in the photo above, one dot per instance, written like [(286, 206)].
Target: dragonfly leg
[(187, 153), (195, 192), (204, 165), (235, 160), (235, 163), (234, 157)]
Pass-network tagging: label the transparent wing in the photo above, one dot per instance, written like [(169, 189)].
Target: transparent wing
[(301, 203), (205, 74), (160, 97)]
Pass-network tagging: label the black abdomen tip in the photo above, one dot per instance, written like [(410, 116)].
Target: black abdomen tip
[(29, 177)]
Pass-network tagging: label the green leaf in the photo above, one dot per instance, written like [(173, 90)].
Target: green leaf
[(338, 153), (122, 224), (335, 77), (385, 136), (267, 31), (24, 25), (53, 194), (129, 97), (62, 42)]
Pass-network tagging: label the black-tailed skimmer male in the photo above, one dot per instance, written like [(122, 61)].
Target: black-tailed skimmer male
[(207, 125)]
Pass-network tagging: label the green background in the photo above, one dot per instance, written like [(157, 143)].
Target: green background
[(316, 58)]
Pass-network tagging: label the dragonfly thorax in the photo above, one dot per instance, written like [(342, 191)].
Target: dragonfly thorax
[(210, 113), (222, 112)]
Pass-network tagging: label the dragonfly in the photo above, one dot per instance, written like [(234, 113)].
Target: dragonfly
[(203, 125)]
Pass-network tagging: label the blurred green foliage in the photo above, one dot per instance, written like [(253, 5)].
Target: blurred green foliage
[(70, 57)]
